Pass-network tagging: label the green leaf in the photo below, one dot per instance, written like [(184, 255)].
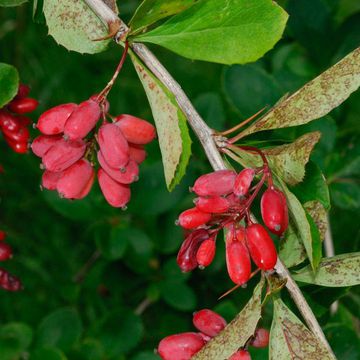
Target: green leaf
[(73, 25), (319, 215), (6, 3), (61, 329), (337, 271), (226, 32), (237, 333), (346, 194), (9, 83), (290, 339), (113, 242), (91, 349), (151, 11), (178, 295), (145, 355), (316, 99), (174, 138), (47, 353)]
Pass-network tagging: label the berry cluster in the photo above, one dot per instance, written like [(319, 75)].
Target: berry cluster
[(184, 345), (70, 142), (224, 201), (13, 123), (7, 281)]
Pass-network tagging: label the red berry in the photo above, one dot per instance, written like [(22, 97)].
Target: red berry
[(206, 253), (52, 121), (186, 258), (63, 154), (9, 121), (75, 179), (116, 194), (193, 218), (137, 153), (23, 91), (213, 204), (50, 179), (2, 235), (238, 262), (18, 147), (209, 322), (9, 282), (261, 338), (23, 106), (274, 211), (261, 247), (113, 145), (135, 130), (82, 120), (5, 251), (206, 338), (240, 355), (20, 135), (24, 120), (43, 143), (105, 103), (243, 181), (126, 176), (216, 183), (180, 346)]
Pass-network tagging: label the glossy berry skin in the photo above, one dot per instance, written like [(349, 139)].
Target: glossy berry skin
[(261, 338), (193, 218), (43, 143), (137, 153), (135, 130), (212, 204), (240, 355), (126, 176), (50, 179), (18, 147), (75, 179), (9, 122), (63, 154), (274, 211), (186, 258), (82, 120), (9, 282), (206, 253), (243, 181), (52, 121), (113, 145), (180, 346), (5, 251), (20, 135), (23, 105), (209, 322), (261, 247), (116, 194), (216, 183), (23, 91)]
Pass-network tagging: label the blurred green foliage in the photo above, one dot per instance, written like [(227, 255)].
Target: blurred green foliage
[(101, 283)]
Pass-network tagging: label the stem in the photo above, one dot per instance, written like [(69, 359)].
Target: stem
[(205, 135), (80, 275)]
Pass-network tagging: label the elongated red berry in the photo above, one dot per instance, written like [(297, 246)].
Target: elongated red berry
[(20, 135), (9, 121), (137, 153), (63, 154), (261, 247), (193, 218), (9, 282), (82, 120), (209, 322), (186, 258), (23, 91), (135, 130), (116, 194), (75, 179), (43, 143), (212, 204), (240, 355), (180, 346), (18, 147), (206, 253), (50, 179), (23, 106), (127, 175), (216, 183), (52, 121), (105, 103), (5, 251), (274, 211), (261, 338), (113, 145), (2, 235), (243, 181)]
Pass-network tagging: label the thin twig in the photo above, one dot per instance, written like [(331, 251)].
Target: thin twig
[(143, 306), (80, 275), (205, 135)]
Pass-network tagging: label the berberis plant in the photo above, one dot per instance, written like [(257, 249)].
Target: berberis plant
[(261, 210)]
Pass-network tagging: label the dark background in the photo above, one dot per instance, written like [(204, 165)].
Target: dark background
[(133, 294)]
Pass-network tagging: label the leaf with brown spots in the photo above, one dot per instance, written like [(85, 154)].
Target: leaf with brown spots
[(237, 333), (337, 271), (316, 99), (290, 339), (172, 131), (317, 211), (73, 25)]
